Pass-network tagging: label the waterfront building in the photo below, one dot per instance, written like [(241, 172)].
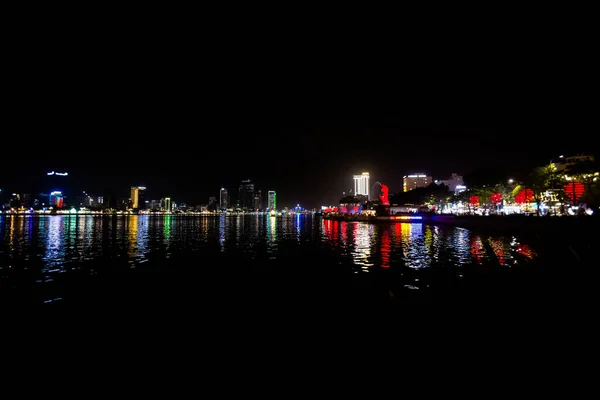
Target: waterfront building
[(414, 181), (165, 204), (361, 184), (272, 200), (223, 201), (56, 199), (137, 197)]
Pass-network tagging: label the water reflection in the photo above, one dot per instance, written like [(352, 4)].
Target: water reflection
[(386, 249), (417, 245), (271, 232), (137, 227), (477, 250), (498, 249), (222, 220), (57, 244), (167, 228), (361, 240), (54, 256), (416, 254)]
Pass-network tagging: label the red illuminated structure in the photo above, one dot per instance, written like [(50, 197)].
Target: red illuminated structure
[(383, 197), (574, 190), (496, 198), (524, 196), (474, 200)]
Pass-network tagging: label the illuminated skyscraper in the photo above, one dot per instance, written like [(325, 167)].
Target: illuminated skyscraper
[(223, 199), (56, 199), (137, 197), (272, 200), (166, 204), (361, 184)]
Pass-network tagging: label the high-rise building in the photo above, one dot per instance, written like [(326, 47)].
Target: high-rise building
[(272, 200), (223, 203), (56, 199), (414, 181), (257, 203), (137, 197), (361, 184), (246, 195), (165, 204)]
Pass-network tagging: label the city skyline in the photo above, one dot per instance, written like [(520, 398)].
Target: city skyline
[(311, 163)]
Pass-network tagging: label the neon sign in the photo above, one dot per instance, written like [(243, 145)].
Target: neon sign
[(408, 217)]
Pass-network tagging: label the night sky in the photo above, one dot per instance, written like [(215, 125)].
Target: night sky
[(189, 156), (184, 116)]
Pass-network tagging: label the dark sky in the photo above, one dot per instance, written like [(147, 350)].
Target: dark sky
[(310, 162), (184, 118)]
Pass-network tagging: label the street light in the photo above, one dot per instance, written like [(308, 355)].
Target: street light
[(510, 181)]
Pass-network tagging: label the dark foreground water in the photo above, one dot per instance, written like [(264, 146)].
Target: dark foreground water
[(260, 262)]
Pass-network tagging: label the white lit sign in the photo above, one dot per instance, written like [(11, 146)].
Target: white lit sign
[(57, 173)]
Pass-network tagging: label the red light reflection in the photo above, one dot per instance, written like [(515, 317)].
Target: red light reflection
[(386, 249), (477, 249), (526, 251)]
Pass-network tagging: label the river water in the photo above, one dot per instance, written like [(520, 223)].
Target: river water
[(255, 259)]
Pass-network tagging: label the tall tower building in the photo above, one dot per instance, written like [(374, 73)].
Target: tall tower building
[(166, 204), (272, 200), (137, 197), (246, 198), (223, 199), (361, 184)]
